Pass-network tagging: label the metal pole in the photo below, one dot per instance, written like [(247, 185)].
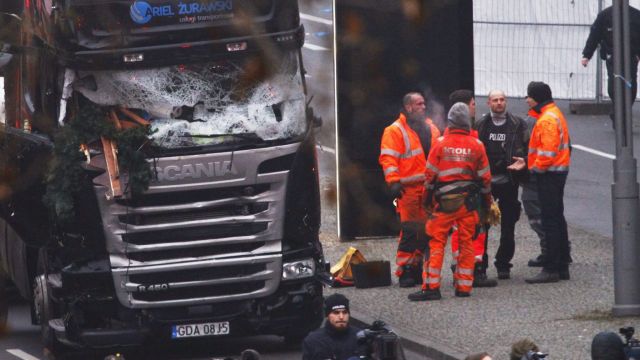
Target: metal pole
[(599, 67), (624, 191)]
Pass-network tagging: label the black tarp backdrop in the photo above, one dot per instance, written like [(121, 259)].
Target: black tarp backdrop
[(386, 48)]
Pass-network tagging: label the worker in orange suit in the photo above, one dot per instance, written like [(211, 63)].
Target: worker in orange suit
[(480, 278), (403, 152), (457, 182)]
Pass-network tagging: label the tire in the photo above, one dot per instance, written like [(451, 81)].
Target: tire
[(44, 311)]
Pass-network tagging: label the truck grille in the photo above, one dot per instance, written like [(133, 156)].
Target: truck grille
[(193, 240), (181, 235), (195, 252)]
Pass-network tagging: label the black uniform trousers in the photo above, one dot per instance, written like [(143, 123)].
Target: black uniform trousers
[(507, 196), (551, 195)]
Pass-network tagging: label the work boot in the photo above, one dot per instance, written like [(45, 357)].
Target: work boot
[(544, 277), (480, 278), (564, 274), (460, 293), (538, 261), (425, 295), (504, 274), (407, 277)]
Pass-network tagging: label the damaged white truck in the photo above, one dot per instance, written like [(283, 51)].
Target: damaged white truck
[(159, 176)]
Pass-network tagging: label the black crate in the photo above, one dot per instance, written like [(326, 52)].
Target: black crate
[(371, 274)]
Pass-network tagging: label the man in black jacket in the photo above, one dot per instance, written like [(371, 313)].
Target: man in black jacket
[(336, 340), (602, 34), (504, 136)]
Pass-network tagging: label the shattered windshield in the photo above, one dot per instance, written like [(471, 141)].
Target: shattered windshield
[(210, 103)]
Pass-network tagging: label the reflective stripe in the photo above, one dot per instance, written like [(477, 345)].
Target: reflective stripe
[(454, 171), (546, 153), (478, 258), (433, 281), (465, 271), (390, 169), (455, 185), (389, 152), (411, 153), (465, 282), (405, 137), (564, 146), (412, 178), (434, 271), (535, 221), (456, 253), (558, 168), (481, 172), (532, 150), (560, 129), (550, 168), (432, 168)]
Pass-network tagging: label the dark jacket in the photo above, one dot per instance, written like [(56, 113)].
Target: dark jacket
[(601, 34), (326, 343), (516, 144)]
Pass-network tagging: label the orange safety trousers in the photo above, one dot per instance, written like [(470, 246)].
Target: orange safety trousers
[(438, 228), (479, 240), (412, 242)]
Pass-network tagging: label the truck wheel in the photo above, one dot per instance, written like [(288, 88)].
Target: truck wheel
[(43, 309), (4, 304)]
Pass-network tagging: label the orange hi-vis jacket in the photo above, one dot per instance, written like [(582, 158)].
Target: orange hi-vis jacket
[(401, 155), (550, 146), (456, 161)]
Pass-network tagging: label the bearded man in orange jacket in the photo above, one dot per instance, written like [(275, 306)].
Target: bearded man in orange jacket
[(404, 149)]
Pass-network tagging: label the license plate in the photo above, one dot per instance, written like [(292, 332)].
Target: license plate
[(195, 330)]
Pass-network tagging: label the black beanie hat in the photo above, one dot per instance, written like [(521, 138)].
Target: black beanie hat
[(539, 91), (335, 302)]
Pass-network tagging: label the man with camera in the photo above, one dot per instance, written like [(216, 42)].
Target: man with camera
[(607, 345), (336, 340)]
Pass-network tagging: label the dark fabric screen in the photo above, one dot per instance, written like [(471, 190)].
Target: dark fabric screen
[(385, 49)]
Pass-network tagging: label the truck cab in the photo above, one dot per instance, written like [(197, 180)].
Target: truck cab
[(162, 177)]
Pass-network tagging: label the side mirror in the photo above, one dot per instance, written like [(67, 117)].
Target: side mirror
[(9, 35)]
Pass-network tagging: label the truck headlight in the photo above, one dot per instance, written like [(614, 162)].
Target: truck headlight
[(298, 269)]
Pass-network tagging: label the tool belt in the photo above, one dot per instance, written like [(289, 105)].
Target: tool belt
[(450, 203), (468, 196)]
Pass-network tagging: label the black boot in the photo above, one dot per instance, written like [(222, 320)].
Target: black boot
[(460, 293), (425, 295), (407, 277), (480, 278), (544, 277)]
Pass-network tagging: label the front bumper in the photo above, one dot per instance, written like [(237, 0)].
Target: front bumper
[(295, 306)]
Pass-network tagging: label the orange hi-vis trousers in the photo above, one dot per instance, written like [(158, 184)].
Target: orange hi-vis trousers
[(438, 227), (479, 240), (412, 243)]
